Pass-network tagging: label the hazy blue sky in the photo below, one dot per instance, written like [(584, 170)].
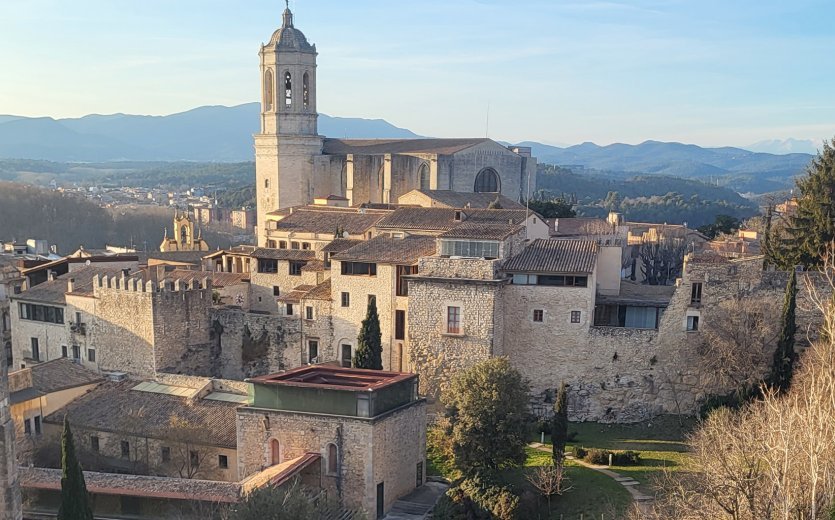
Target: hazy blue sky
[(702, 71)]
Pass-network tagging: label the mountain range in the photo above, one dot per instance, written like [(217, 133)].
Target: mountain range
[(224, 134)]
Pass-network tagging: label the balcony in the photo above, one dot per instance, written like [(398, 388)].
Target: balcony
[(79, 328)]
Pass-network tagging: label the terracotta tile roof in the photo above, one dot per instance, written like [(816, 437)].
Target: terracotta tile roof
[(295, 295), (638, 294), (284, 254), (218, 279), (429, 219), (384, 146), (460, 199), (555, 256), (280, 473), (137, 485), (577, 226), (386, 250), (315, 265), (320, 292), (54, 291), (324, 219), (340, 244), (60, 374), (186, 257), (116, 407), (483, 231)]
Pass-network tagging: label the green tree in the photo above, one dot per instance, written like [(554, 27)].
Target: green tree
[(722, 224), (812, 228), (612, 201), (559, 425), (369, 342), (289, 502), (75, 502), (784, 355), (552, 208), (487, 406)]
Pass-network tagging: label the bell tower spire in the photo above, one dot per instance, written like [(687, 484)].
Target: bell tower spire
[(289, 136)]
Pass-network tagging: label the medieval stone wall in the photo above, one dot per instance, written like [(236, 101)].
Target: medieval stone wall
[(255, 344)]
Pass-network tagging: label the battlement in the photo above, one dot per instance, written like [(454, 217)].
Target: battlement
[(140, 285)]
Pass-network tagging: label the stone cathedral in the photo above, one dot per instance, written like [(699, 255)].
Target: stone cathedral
[(294, 164)]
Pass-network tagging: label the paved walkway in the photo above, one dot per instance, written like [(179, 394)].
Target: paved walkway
[(629, 483), (417, 504)]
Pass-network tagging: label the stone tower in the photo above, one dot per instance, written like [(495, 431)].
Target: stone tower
[(10, 502), (288, 141)]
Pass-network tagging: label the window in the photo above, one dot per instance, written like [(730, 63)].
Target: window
[(125, 445), (346, 356), (94, 443), (333, 460), (275, 452), (524, 279), (37, 425), (296, 268), (294, 245), (402, 285), (267, 265), (359, 269), (76, 352), (538, 315), (346, 299), (282, 244), (27, 427), (166, 454), (271, 244), (91, 355), (313, 351), (63, 351), (308, 312), (268, 90), (692, 323), (223, 462), (453, 320), (575, 316), (696, 293), (18, 289), (399, 324), (306, 90), (194, 458), (305, 246), (288, 89), (44, 313), (423, 176), (36, 349), (487, 181), (266, 183), (562, 281), (78, 318), (289, 309), (470, 248), (419, 474)]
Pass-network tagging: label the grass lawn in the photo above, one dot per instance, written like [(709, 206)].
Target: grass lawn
[(592, 494), (660, 442)]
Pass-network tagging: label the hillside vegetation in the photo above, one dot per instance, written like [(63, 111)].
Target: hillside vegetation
[(68, 221)]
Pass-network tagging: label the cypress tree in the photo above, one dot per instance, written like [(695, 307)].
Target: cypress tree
[(559, 425), (75, 502), (784, 355), (812, 228), (369, 342)]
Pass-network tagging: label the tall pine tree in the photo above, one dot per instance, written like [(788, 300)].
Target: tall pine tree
[(784, 355), (559, 425), (75, 502), (369, 343), (812, 228)]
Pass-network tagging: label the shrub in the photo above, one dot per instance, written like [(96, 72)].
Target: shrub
[(477, 499), (572, 436), (601, 457)]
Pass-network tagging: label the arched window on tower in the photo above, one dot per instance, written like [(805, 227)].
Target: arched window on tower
[(184, 235), (268, 90), (288, 89), (423, 175), (333, 459), (487, 181), (275, 452), (306, 90)]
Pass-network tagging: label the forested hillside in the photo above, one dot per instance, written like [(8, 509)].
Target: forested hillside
[(68, 221)]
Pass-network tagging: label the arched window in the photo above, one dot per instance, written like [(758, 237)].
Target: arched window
[(266, 183), (288, 89), (275, 452), (333, 459), (184, 235), (423, 175), (268, 90), (306, 90), (487, 181)]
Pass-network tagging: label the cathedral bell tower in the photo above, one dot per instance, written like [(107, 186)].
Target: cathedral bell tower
[(288, 141)]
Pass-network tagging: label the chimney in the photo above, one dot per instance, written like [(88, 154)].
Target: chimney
[(50, 275), (70, 285)]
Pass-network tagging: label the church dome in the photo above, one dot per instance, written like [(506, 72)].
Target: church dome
[(288, 37)]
